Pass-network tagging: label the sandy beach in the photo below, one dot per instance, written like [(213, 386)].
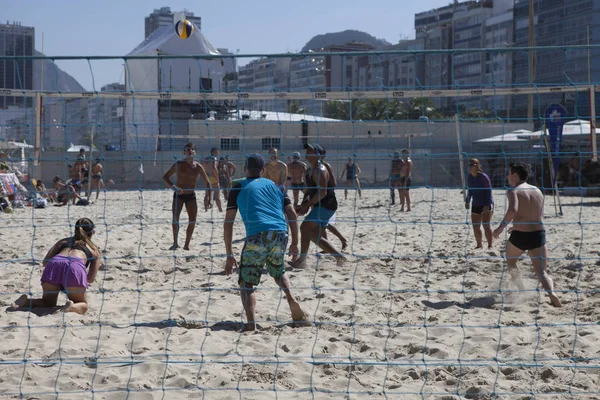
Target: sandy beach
[(417, 312)]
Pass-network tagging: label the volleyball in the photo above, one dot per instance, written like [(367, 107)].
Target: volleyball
[(184, 29)]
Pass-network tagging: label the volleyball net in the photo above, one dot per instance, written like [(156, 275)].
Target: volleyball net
[(415, 312)]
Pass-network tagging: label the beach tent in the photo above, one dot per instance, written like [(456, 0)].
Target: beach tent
[(14, 145), (511, 137), (572, 130), (76, 147), (255, 115)]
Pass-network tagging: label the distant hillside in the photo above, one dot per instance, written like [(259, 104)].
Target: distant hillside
[(339, 38), (55, 79)]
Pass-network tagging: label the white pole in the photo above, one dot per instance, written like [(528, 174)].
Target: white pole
[(460, 157), (38, 131), (38, 119), (89, 188), (557, 205), (593, 138)]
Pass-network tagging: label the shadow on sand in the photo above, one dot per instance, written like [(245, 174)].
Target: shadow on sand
[(39, 311), (481, 302)]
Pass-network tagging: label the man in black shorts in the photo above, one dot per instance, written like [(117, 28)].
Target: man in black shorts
[(526, 211), (186, 173), (264, 208), (296, 171), (405, 180)]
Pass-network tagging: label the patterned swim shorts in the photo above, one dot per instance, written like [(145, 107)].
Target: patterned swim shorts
[(263, 249)]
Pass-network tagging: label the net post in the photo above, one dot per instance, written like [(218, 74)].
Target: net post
[(460, 157), (555, 195), (593, 139), (38, 133), (89, 188)]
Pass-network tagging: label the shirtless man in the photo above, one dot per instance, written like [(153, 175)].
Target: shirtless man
[(230, 167), (394, 177), (211, 166), (405, 180), (296, 169), (276, 170), (186, 173), (526, 211), (352, 171), (77, 174)]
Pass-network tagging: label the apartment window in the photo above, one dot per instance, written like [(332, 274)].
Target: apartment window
[(268, 143), (230, 144)]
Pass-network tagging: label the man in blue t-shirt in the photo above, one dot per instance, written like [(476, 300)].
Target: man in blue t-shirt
[(264, 208)]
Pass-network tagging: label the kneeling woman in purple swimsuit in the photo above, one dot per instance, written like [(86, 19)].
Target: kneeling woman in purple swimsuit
[(70, 265)]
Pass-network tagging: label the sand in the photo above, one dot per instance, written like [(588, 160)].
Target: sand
[(415, 313)]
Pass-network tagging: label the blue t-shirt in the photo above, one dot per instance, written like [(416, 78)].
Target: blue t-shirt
[(480, 189), (261, 205)]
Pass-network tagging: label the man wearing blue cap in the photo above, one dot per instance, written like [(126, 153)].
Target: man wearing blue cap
[(264, 209)]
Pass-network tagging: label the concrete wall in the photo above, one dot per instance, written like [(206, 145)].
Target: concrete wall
[(434, 150)]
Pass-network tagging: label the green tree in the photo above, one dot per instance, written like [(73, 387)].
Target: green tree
[(294, 108), (420, 107), (379, 109), (342, 109)]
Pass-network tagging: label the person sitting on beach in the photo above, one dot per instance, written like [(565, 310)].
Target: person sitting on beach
[(186, 174), (264, 208), (211, 166), (296, 170), (526, 212), (480, 190), (45, 193), (319, 196), (64, 192), (65, 270), (276, 170), (395, 177), (352, 171)]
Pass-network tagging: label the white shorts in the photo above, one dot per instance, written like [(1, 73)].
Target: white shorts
[(332, 219)]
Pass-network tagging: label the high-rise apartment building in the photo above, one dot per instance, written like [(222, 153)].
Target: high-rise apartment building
[(164, 16), (467, 25), (558, 23), (16, 40)]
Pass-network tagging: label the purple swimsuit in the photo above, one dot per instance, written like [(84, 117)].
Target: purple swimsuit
[(65, 272)]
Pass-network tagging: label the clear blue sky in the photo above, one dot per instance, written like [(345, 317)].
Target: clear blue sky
[(114, 28)]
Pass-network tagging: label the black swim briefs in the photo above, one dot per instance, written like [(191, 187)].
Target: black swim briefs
[(527, 240), (185, 198), (298, 186), (408, 182), (480, 209)]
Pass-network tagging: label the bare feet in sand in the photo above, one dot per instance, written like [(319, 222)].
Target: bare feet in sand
[(20, 302), (340, 261), (68, 307), (174, 247), (554, 300), (300, 263)]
